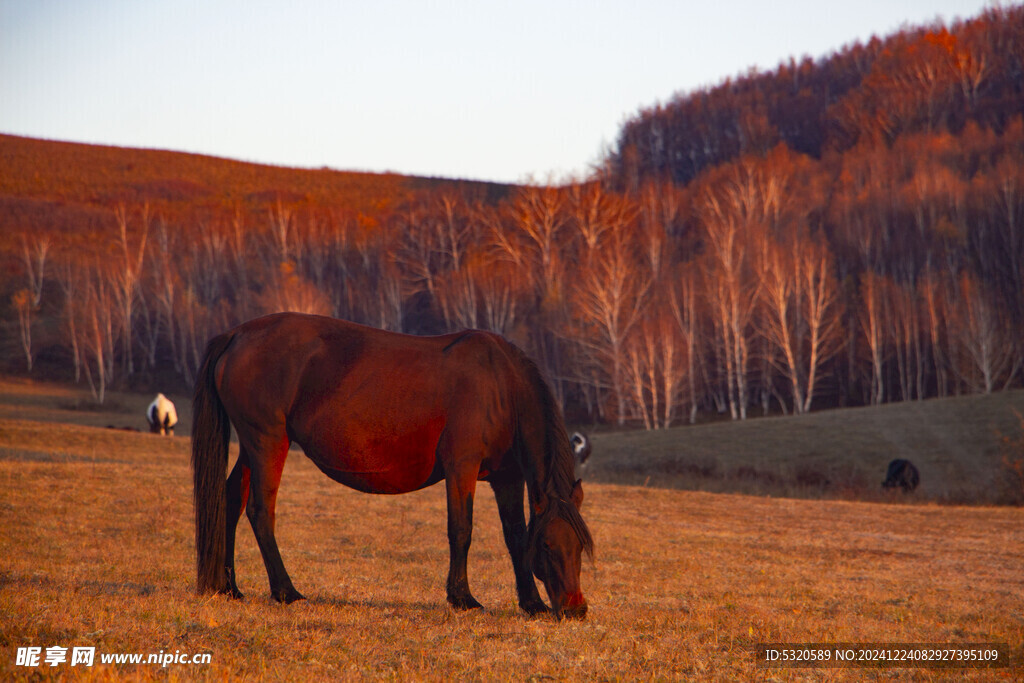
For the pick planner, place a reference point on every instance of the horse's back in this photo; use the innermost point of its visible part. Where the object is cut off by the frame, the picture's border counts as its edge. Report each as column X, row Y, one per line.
column 369, row 407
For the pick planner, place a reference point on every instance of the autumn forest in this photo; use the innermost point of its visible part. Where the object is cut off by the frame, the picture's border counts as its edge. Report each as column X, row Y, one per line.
column 847, row 230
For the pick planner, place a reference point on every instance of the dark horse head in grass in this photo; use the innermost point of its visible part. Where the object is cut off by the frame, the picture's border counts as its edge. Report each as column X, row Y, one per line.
column 902, row 474
column 387, row 413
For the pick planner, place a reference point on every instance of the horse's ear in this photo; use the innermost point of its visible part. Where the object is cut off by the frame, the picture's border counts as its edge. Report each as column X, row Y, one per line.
column 541, row 504
column 577, row 494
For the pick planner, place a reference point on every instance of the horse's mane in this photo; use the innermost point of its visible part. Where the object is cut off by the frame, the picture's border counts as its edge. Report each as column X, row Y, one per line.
column 561, row 462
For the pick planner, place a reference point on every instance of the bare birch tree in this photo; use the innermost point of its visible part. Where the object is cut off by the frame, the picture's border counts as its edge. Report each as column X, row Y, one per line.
column 657, row 365
column 26, row 301
column 609, row 298
column 21, row 301
column 822, row 312
column 100, row 329
column 989, row 353
column 684, row 302
column 873, row 316
column 34, row 251
column 731, row 294
column 126, row 279
column 69, row 278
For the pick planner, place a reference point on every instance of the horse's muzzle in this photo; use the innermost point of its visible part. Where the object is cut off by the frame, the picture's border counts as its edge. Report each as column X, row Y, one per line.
column 574, row 607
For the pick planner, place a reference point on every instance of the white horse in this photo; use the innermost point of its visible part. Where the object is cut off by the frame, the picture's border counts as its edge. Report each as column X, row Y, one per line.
column 161, row 416
column 581, row 449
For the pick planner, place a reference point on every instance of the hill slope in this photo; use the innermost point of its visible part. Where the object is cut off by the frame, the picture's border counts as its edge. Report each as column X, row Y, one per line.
column 957, row 443
column 63, row 185
column 925, row 79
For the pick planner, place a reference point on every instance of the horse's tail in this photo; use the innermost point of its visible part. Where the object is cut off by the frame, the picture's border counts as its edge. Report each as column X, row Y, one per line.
column 211, row 434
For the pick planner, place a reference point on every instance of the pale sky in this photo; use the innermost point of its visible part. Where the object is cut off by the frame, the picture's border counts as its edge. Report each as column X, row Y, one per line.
column 480, row 89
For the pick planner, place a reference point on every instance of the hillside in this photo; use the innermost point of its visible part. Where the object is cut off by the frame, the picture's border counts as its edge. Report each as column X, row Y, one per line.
column 64, row 186
column 920, row 80
column 958, row 444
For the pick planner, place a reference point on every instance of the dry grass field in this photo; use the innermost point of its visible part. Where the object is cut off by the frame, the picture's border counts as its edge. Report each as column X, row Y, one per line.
column 97, row 552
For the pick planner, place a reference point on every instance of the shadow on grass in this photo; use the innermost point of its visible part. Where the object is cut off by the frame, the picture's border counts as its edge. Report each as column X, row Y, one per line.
column 379, row 605
column 839, row 481
column 23, row 455
column 88, row 587
column 91, row 406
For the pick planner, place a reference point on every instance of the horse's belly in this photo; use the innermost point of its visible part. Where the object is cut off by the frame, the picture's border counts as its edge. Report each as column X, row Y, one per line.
column 397, row 462
column 391, row 480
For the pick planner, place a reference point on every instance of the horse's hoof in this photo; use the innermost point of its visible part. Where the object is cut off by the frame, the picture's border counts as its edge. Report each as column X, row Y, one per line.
column 231, row 588
column 288, row 596
column 534, row 609
column 233, row 593
column 578, row 613
column 464, row 602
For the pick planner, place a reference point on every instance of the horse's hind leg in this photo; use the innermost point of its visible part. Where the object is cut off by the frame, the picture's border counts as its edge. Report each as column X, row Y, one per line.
column 266, row 460
column 237, row 494
column 460, row 507
column 509, row 496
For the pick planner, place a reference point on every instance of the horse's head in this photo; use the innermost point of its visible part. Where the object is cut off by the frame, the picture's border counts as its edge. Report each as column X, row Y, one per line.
column 558, row 539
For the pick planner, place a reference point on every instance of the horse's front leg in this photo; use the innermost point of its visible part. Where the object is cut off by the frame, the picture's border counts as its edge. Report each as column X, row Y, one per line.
column 460, row 533
column 509, row 496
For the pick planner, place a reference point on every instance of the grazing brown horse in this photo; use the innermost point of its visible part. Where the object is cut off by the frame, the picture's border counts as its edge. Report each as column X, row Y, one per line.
column 386, row 413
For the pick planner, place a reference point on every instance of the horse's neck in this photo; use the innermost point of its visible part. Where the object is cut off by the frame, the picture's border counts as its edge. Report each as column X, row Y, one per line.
column 540, row 477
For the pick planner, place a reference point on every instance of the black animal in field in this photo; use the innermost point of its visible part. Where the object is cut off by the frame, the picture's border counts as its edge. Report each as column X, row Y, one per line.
column 901, row 473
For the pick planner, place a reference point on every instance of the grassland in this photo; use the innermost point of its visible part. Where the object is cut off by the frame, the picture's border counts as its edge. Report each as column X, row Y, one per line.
column 97, row 548
column 958, row 444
